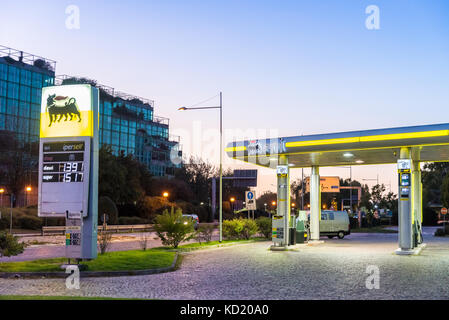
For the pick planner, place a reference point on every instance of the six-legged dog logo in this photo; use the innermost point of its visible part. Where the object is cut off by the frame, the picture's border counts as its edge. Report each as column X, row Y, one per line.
column 63, row 107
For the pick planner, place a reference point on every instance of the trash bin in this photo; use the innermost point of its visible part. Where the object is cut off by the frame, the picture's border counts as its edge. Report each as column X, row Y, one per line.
column 292, row 236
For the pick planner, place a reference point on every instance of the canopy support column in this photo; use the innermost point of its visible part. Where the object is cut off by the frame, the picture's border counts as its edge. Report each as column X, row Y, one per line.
column 416, row 203
column 404, row 206
column 315, row 204
column 283, row 197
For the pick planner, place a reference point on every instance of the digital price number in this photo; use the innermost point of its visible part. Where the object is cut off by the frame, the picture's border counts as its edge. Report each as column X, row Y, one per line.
column 63, row 166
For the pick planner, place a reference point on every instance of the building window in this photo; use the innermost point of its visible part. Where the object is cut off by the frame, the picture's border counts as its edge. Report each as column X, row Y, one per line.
column 12, row 107
column 3, row 88
column 25, row 93
column 37, row 80
column 36, row 95
column 13, row 74
column 25, row 77
column 13, row 91
column 3, row 71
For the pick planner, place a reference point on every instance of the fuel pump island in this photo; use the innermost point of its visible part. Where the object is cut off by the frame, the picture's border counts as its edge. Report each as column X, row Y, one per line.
column 68, row 164
column 405, row 146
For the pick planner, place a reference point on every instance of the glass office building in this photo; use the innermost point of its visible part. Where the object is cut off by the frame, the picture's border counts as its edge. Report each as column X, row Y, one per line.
column 129, row 126
column 127, row 123
column 22, row 76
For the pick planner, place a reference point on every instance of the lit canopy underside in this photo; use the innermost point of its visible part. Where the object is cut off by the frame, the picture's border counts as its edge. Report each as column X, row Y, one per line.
column 381, row 146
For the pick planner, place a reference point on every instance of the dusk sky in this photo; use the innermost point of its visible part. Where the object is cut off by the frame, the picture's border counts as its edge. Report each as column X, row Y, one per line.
column 285, row 67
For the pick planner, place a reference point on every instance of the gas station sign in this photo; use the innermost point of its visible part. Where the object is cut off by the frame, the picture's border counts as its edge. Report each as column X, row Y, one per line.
column 68, row 164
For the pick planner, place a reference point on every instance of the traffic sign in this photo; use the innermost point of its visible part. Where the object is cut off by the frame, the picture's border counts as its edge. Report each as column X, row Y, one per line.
column 443, row 211
column 250, row 200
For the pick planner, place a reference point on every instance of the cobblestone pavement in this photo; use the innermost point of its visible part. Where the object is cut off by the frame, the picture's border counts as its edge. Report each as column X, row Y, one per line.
column 335, row 269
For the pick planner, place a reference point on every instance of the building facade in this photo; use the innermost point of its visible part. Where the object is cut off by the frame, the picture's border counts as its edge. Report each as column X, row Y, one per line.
column 129, row 126
column 22, row 77
column 127, row 123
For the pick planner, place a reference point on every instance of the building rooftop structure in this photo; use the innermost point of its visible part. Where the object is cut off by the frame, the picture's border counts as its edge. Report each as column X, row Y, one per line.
column 13, row 56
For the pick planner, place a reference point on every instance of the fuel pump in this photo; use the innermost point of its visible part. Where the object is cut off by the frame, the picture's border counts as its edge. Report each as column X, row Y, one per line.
column 408, row 232
column 280, row 221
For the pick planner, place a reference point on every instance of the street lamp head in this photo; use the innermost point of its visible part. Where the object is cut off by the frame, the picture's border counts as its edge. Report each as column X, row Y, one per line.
column 28, row 189
column 2, row 190
column 165, row 194
column 182, row 108
column 232, row 199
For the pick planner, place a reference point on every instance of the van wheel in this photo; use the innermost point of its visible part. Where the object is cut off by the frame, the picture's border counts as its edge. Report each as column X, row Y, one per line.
column 330, row 237
column 341, row 235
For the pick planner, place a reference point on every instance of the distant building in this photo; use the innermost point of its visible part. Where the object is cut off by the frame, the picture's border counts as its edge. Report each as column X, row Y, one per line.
column 22, row 77
column 127, row 122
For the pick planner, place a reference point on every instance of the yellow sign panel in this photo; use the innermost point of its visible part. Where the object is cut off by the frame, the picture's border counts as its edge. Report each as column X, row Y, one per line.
column 66, row 111
column 328, row 184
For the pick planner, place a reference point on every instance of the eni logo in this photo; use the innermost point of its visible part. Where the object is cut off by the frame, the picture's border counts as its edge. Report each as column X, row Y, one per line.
column 63, row 107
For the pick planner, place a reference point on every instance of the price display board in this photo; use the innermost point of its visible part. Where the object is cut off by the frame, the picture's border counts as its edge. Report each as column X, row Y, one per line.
column 64, row 176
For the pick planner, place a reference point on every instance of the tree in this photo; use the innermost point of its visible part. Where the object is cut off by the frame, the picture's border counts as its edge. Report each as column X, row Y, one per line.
column 18, row 163
column 434, row 188
column 268, row 197
column 9, row 245
column 112, row 175
column 172, row 228
column 107, row 206
column 197, row 174
column 122, row 178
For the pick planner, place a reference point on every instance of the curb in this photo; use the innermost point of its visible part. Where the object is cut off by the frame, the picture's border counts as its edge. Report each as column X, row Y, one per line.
column 218, row 246
column 89, row 274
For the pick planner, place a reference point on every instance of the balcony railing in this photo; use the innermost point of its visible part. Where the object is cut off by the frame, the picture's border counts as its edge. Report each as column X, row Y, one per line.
column 28, row 58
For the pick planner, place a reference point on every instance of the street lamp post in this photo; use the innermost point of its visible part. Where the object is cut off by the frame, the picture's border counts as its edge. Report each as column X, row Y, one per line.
column 1, row 201
column 28, row 189
column 221, row 157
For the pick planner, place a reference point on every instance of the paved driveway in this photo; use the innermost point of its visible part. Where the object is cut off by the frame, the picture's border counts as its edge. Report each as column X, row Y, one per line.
column 333, row 270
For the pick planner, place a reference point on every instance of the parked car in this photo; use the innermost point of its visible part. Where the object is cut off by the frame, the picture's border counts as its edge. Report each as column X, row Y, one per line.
column 334, row 223
column 195, row 220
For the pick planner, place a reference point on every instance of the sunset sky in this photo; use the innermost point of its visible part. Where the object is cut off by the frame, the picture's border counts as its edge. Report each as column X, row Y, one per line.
column 285, row 67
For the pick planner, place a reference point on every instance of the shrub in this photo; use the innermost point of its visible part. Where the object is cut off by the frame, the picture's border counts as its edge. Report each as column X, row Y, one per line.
column 4, row 223
column 265, row 226
column 249, row 228
column 239, row 228
column 9, row 245
column 131, row 220
column 104, row 240
column 172, row 228
column 232, row 229
column 205, row 233
column 107, row 206
column 29, row 222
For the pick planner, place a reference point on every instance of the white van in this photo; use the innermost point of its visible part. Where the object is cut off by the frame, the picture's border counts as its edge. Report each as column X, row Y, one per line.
column 334, row 223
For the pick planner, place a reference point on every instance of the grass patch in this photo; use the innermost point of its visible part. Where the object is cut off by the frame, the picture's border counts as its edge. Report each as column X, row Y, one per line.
column 110, row 261
column 377, row 229
column 16, row 297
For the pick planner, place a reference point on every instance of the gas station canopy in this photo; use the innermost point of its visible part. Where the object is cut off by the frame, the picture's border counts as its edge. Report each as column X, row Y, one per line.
column 379, row 146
